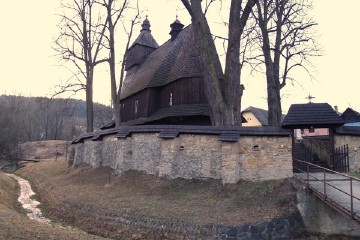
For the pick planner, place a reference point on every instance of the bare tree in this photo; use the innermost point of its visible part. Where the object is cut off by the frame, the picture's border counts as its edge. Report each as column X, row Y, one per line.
column 115, row 14
column 287, row 41
column 11, row 133
column 102, row 114
column 80, row 42
column 223, row 89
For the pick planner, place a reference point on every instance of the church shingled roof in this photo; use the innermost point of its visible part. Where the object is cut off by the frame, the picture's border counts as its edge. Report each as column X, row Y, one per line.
column 315, row 115
column 171, row 61
column 145, row 38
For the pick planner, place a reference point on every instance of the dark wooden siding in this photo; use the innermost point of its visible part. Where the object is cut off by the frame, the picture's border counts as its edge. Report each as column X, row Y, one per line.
column 127, row 106
column 154, row 99
column 184, row 91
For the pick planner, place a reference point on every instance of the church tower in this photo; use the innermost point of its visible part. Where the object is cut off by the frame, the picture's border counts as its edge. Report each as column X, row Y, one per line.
column 143, row 46
column 176, row 28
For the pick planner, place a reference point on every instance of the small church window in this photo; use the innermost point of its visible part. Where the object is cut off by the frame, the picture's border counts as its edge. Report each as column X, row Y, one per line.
column 136, row 106
column 123, row 105
column 171, row 99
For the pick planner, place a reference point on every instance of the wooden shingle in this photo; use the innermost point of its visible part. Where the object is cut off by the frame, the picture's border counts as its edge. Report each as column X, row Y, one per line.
column 317, row 115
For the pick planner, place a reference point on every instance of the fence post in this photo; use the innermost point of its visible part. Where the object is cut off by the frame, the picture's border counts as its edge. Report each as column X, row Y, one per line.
column 333, row 159
column 307, row 174
column 56, row 153
column 352, row 200
column 347, row 159
column 324, row 183
column 342, row 158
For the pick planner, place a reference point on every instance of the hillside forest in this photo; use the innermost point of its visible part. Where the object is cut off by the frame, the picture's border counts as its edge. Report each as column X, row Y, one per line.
column 25, row 119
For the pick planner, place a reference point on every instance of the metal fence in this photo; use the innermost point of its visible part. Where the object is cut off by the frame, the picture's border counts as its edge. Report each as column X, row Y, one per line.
column 339, row 190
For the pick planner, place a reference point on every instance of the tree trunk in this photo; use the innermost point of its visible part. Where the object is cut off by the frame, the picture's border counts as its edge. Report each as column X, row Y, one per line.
column 114, row 96
column 274, row 101
column 89, row 103
column 272, row 71
column 223, row 91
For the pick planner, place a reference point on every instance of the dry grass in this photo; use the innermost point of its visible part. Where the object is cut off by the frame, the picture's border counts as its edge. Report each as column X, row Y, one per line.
column 14, row 224
column 50, row 149
column 79, row 196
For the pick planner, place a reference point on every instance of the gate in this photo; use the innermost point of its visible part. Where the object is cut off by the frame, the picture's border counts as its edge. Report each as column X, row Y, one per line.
column 319, row 155
column 316, row 151
column 340, row 161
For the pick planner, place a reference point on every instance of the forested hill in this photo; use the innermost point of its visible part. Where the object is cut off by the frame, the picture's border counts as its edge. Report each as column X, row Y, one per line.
column 41, row 118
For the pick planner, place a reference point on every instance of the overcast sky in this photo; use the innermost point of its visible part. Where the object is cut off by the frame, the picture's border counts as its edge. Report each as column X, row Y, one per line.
column 27, row 65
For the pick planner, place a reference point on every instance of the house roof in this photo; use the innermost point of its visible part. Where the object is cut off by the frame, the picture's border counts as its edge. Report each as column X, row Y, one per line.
column 260, row 114
column 350, row 116
column 311, row 115
column 171, row 61
column 348, row 130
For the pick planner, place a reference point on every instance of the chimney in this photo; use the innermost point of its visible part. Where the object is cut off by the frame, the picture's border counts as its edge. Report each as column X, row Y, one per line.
column 176, row 28
column 336, row 109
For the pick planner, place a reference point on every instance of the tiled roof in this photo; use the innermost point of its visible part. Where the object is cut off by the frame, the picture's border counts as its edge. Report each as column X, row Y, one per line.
column 350, row 116
column 108, row 125
column 311, row 114
column 261, row 115
column 230, row 133
column 171, row 61
column 348, row 130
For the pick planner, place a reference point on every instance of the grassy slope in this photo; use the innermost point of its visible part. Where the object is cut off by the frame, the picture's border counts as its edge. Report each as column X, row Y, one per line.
column 15, row 225
column 80, row 196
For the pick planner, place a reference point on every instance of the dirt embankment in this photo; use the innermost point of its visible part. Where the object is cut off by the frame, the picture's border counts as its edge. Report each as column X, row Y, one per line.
column 14, row 224
column 104, row 204
column 96, row 200
column 51, row 149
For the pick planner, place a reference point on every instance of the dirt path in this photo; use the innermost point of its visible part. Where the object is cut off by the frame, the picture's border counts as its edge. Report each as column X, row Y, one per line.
column 27, row 202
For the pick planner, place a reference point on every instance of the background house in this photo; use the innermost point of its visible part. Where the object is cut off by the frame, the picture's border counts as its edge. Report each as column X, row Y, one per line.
column 351, row 117
column 255, row 117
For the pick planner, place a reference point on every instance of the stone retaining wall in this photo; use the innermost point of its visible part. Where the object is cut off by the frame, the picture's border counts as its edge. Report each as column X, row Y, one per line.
column 353, row 142
column 253, row 157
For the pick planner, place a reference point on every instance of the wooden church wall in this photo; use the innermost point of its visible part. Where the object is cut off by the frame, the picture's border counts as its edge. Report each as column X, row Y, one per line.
column 128, row 106
column 184, row 91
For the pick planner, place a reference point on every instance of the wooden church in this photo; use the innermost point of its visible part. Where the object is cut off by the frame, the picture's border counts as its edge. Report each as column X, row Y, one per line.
column 163, row 84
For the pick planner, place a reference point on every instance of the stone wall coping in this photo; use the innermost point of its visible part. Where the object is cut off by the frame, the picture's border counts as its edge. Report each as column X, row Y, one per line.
column 225, row 133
